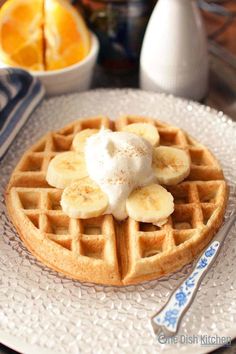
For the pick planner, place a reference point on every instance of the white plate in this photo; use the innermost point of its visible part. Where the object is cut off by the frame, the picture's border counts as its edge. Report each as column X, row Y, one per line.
column 45, row 311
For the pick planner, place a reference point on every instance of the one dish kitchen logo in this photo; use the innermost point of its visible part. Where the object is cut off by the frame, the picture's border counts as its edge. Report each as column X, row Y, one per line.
column 204, row 340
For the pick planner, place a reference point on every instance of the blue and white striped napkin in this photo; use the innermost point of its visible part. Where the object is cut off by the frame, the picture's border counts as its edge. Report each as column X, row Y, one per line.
column 20, row 93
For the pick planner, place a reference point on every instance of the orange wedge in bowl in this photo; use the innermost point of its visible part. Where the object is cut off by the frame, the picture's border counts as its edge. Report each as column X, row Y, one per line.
column 42, row 34
column 21, row 35
column 67, row 39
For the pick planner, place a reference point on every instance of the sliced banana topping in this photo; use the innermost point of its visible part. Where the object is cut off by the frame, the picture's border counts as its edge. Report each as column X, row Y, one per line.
column 145, row 130
column 81, row 137
column 84, row 199
column 170, row 165
column 66, row 168
column 152, row 203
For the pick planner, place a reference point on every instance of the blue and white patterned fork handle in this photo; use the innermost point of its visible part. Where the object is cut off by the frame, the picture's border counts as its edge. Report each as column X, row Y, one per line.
column 168, row 318
column 170, row 315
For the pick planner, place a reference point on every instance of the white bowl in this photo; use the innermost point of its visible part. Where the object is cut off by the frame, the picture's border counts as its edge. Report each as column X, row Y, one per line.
column 73, row 78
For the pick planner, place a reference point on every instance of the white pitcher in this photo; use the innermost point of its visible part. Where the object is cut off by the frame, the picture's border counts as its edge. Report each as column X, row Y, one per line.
column 174, row 56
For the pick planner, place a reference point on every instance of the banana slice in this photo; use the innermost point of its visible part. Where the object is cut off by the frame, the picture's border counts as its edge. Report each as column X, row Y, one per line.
column 81, row 137
column 150, row 204
column 66, row 168
column 145, row 130
column 170, row 165
column 84, row 199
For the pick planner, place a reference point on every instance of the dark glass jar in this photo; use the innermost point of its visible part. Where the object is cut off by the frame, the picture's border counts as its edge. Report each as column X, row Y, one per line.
column 120, row 26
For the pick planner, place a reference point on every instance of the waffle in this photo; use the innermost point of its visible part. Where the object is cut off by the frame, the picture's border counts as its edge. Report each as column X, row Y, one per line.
column 103, row 250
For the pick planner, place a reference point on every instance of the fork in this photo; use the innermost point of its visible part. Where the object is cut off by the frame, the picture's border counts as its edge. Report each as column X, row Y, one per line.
column 167, row 319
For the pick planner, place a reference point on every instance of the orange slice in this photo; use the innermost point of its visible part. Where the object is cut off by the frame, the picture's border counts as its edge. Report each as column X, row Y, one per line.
column 42, row 34
column 21, row 33
column 67, row 39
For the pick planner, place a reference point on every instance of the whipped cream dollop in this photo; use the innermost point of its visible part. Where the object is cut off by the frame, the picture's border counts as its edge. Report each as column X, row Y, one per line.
column 118, row 162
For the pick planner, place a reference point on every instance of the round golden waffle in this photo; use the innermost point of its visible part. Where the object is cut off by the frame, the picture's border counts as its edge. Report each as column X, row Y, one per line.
column 103, row 250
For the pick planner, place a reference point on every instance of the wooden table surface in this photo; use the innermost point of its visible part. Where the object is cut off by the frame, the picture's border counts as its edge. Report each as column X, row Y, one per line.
column 213, row 22
column 222, row 93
